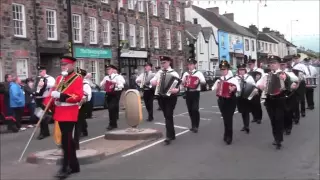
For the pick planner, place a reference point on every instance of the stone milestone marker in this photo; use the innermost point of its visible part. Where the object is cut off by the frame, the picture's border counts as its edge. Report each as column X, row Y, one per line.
column 134, row 117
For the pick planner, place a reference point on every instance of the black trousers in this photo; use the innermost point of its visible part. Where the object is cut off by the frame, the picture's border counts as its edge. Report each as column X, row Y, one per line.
column 244, row 107
column 227, row 107
column 113, row 107
column 256, row 109
column 148, row 97
column 168, row 104
column 90, row 108
column 290, row 104
column 44, row 125
column 70, row 159
column 301, row 93
column 309, row 97
column 276, row 110
column 192, row 101
column 81, row 125
column 18, row 112
column 159, row 102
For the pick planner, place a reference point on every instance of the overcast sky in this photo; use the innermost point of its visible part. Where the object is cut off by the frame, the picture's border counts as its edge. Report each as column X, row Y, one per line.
column 277, row 15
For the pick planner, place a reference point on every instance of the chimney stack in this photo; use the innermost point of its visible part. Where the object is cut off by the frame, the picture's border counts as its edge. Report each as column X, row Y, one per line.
column 253, row 29
column 214, row 10
column 281, row 35
column 230, row 16
column 266, row 30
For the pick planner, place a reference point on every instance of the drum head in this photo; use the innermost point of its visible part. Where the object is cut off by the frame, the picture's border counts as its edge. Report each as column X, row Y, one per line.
column 133, row 107
column 56, row 133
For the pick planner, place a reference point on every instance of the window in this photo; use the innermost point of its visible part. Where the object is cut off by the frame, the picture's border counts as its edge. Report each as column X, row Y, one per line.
column 179, row 40
column 93, row 30
column 142, row 37
column 270, row 47
column 132, row 32
column 247, row 44
column 178, row 14
column 19, row 20
column 155, row 8
column 274, row 47
column 252, row 45
column 122, row 31
column 141, row 6
column 265, row 46
column 22, row 68
column 156, row 37
column 105, row 1
column 130, row 4
column 168, row 38
column 167, row 11
column 106, row 32
column 80, row 63
column 76, row 25
column 261, row 45
column 93, row 68
column 51, row 20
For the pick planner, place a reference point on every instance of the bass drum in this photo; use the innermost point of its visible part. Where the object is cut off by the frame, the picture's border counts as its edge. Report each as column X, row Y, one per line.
column 57, row 133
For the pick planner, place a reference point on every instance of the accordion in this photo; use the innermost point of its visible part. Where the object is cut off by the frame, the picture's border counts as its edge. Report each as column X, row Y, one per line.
column 223, row 89
column 109, row 86
column 256, row 75
column 165, row 83
column 274, row 85
column 192, row 82
column 311, row 82
column 247, row 90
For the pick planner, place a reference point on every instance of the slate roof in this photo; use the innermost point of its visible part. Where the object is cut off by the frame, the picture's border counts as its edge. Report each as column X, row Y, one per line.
column 264, row 37
column 241, row 30
column 207, row 31
column 193, row 29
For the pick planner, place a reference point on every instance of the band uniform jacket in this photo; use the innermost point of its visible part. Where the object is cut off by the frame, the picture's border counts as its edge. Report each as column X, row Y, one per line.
column 232, row 80
column 158, row 74
column 247, row 78
column 311, row 71
column 117, row 79
column 197, row 74
column 50, row 83
column 66, row 108
column 263, row 81
column 140, row 78
column 87, row 90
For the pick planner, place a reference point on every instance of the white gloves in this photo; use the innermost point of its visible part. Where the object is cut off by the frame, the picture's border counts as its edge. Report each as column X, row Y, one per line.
column 55, row 94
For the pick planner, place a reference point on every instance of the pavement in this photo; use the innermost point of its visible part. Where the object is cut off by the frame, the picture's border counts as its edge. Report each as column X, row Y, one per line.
column 190, row 156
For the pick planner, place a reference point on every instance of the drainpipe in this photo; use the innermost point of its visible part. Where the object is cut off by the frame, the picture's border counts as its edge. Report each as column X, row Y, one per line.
column 70, row 38
column 118, row 27
column 209, row 55
column 35, row 24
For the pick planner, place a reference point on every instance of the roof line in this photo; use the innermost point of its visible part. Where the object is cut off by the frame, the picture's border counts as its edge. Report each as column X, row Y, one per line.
column 190, row 34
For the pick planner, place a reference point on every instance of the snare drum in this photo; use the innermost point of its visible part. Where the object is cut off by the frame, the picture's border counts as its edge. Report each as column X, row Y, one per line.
column 311, row 82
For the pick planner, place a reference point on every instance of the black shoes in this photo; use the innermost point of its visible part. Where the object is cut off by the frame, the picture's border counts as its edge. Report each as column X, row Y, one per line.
column 149, row 119
column 194, row 130
column 42, row 136
column 227, row 140
column 167, row 141
column 246, row 129
column 258, row 121
column 310, row 107
column 287, row 132
column 61, row 174
column 109, row 128
column 303, row 114
column 277, row 144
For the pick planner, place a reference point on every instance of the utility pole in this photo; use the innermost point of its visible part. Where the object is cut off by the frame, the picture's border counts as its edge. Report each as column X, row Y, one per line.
column 119, row 41
column 70, row 38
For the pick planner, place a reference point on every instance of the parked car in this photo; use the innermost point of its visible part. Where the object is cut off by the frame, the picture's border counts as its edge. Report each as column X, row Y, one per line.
column 210, row 78
column 99, row 97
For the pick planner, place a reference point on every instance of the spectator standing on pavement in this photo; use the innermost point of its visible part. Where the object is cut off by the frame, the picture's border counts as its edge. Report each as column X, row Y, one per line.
column 17, row 100
column 30, row 100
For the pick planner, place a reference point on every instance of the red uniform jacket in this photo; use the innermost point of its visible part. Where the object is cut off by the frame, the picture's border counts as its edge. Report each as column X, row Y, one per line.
column 66, row 108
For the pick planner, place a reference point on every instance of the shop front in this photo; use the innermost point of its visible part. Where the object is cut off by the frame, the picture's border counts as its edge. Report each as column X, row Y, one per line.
column 131, row 62
column 93, row 60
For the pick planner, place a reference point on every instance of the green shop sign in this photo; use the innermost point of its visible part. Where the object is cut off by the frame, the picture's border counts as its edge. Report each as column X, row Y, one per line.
column 81, row 52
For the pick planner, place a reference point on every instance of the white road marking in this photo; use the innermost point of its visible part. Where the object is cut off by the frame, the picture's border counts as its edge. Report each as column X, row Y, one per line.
column 180, row 127
column 205, row 119
column 214, row 112
column 180, row 114
column 215, row 106
column 233, row 114
column 151, row 145
column 87, row 140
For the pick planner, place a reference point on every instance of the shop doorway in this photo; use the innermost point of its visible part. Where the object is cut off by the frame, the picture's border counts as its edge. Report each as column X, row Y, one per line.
column 130, row 68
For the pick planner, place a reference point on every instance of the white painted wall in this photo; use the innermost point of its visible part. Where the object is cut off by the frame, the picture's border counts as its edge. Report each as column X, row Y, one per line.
column 273, row 51
column 202, row 53
column 292, row 50
column 213, row 51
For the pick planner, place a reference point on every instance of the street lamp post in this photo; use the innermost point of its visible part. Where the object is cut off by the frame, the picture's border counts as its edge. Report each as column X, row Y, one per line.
column 291, row 27
column 70, row 38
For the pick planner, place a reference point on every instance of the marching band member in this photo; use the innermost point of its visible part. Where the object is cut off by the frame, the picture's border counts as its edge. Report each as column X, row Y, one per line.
column 244, row 104
column 192, row 81
column 167, row 103
column 43, row 85
column 146, row 87
column 226, row 88
column 310, row 73
column 275, row 103
column 82, row 125
column 157, row 70
column 113, row 84
column 300, row 69
column 66, row 111
column 291, row 99
column 256, row 104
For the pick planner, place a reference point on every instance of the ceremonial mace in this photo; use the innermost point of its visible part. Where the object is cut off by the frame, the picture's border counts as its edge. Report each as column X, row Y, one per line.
column 64, row 74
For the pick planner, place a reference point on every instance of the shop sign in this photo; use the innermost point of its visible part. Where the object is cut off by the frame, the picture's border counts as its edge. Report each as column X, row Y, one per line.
column 99, row 53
